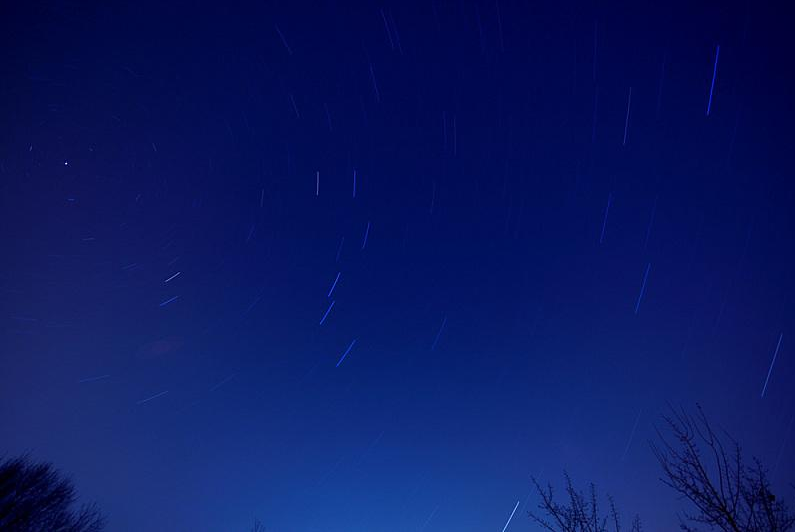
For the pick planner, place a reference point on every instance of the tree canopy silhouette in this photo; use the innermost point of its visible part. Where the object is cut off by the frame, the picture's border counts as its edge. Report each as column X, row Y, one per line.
column 708, row 470
column 35, row 497
column 579, row 512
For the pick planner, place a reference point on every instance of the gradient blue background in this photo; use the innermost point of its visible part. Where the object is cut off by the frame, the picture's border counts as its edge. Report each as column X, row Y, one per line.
column 143, row 139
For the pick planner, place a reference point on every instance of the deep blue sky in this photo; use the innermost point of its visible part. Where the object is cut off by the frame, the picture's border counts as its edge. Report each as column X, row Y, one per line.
column 532, row 293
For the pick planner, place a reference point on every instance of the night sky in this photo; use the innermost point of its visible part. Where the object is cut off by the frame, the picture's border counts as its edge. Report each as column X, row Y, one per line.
column 370, row 267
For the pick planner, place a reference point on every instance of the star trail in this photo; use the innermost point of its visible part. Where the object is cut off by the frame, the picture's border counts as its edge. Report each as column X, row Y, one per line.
column 342, row 266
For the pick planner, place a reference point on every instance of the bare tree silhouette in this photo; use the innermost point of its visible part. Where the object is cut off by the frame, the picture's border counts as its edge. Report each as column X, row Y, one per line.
column 35, row 497
column 579, row 513
column 728, row 494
